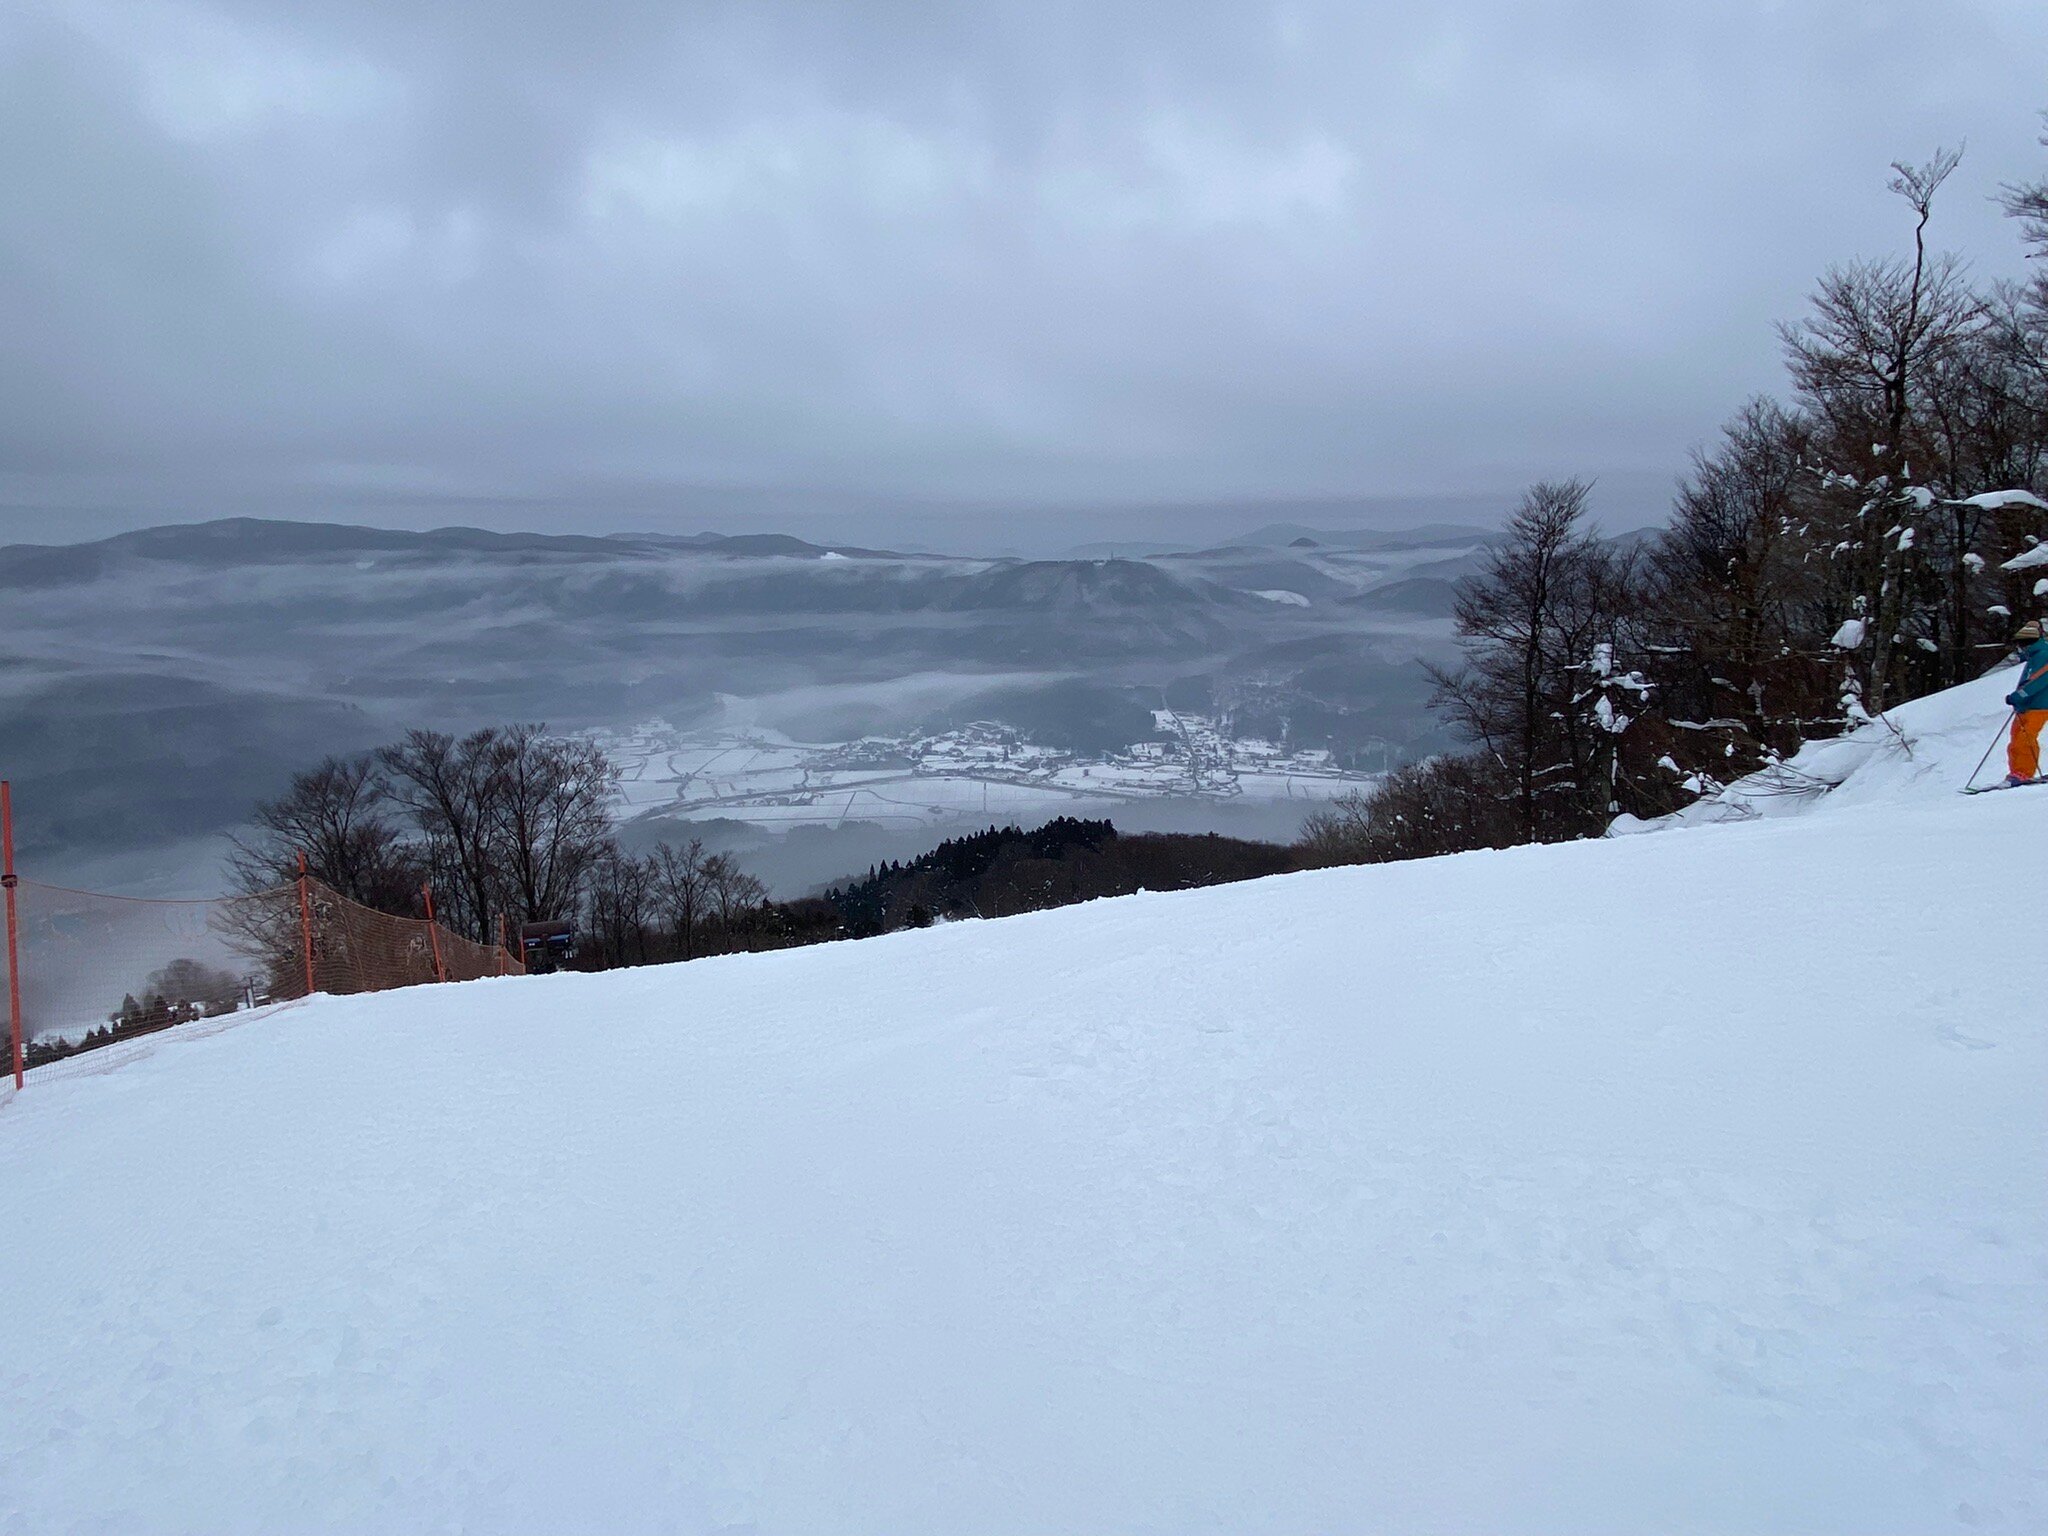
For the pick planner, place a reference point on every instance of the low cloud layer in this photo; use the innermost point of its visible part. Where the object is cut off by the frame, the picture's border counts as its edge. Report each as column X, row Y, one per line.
column 336, row 251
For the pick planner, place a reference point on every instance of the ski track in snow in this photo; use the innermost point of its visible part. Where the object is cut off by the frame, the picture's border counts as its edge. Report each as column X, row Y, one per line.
column 1686, row 1182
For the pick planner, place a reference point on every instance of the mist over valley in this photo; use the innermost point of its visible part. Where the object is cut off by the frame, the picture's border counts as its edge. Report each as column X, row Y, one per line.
column 159, row 682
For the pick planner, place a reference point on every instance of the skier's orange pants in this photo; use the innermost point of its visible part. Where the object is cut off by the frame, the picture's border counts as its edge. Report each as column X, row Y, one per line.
column 2023, row 752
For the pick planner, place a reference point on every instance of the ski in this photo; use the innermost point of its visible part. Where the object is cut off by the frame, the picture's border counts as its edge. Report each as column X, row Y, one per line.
column 1985, row 789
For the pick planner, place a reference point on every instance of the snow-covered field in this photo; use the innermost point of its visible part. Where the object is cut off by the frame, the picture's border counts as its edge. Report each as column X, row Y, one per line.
column 960, row 776
column 1683, row 1182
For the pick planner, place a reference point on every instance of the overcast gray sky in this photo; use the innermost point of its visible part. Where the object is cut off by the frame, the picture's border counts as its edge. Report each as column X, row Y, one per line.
column 511, row 262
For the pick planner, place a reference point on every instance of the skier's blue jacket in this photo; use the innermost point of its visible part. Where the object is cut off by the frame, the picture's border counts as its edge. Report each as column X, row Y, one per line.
column 2032, row 692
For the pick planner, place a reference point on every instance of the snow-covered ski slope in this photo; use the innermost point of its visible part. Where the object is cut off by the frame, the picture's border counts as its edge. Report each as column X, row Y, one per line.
column 1692, row 1182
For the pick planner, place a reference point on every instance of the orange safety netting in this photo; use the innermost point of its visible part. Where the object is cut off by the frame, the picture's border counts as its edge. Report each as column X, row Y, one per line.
column 358, row 950
column 95, row 968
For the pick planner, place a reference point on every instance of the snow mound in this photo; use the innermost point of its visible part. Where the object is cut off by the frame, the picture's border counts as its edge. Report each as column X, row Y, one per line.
column 1926, row 748
column 1687, row 1183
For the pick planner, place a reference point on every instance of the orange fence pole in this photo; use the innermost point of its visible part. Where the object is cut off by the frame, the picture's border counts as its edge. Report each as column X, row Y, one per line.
column 306, row 922
column 13, row 928
column 504, row 945
column 433, row 932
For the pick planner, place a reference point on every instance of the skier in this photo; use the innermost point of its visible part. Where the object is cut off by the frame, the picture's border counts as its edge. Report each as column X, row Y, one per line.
column 2029, row 704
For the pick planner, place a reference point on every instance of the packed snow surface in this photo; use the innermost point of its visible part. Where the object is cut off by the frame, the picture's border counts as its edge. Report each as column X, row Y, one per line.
column 1688, row 1182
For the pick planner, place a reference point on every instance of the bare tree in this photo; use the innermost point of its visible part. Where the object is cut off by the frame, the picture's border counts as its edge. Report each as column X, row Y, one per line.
column 1528, row 622
column 451, row 789
column 1449, row 804
column 1986, row 415
column 196, row 986
column 550, row 817
column 732, row 895
column 680, row 889
column 338, row 815
column 1733, row 599
column 621, row 905
column 2028, row 203
column 1863, row 363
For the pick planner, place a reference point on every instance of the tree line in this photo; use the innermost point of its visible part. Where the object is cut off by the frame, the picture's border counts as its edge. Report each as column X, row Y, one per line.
column 507, row 825
column 681, row 903
column 1005, row 870
column 177, row 992
column 512, row 825
column 1829, row 555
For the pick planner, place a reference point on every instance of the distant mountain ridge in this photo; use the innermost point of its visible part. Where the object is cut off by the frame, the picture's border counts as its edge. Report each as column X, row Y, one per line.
column 161, row 680
column 273, row 539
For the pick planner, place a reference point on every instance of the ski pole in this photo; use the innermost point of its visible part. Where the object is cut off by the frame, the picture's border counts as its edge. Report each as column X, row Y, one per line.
column 1990, row 749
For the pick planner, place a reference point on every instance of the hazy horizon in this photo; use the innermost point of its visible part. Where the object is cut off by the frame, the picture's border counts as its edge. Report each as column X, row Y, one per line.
column 1031, row 530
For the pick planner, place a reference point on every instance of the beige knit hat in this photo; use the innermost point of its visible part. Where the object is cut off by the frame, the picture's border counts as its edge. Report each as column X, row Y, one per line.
column 2031, row 630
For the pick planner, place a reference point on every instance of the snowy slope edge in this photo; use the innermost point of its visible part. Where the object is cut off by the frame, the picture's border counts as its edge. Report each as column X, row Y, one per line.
column 1921, row 749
